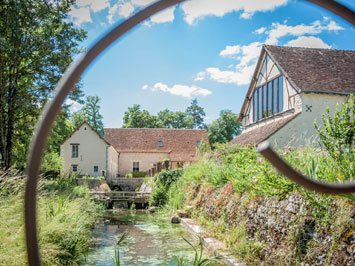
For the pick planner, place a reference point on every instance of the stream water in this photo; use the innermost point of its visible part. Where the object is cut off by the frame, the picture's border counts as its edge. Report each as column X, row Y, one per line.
column 152, row 240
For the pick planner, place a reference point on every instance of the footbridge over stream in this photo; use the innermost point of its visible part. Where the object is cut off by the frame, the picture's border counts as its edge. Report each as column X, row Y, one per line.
column 120, row 192
column 122, row 199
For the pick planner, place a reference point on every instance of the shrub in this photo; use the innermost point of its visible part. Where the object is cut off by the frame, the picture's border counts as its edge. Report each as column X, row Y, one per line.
column 52, row 164
column 136, row 174
column 65, row 220
column 161, row 185
column 338, row 137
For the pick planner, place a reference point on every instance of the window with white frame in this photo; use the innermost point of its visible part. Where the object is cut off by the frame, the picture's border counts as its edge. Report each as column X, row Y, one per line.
column 135, row 166
column 96, row 169
column 160, row 143
column 268, row 99
column 75, row 150
column 74, row 168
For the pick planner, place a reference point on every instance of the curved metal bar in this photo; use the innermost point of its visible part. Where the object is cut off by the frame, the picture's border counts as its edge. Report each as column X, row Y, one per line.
column 311, row 184
column 338, row 9
column 53, row 107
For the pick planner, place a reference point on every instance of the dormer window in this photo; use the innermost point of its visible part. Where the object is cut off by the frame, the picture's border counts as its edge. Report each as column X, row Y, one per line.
column 268, row 99
column 160, row 143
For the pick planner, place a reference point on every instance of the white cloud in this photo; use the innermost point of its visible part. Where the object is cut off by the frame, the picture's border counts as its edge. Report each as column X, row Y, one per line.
column 309, row 42
column 260, row 30
column 124, row 9
column 199, row 8
column 145, row 87
column 280, row 30
column 142, row 2
column 74, row 106
column 94, row 5
column 241, row 76
column 230, row 50
column 200, row 76
column 166, row 15
column 80, row 15
column 181, row 90
column 246, row 55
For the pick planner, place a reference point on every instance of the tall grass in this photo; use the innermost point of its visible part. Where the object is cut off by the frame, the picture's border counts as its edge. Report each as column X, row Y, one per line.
column 65, row 218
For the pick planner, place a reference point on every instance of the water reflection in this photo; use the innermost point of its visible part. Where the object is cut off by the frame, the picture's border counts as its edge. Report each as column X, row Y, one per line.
column 152, row 240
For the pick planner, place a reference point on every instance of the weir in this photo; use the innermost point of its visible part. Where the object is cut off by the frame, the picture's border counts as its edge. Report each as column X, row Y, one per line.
column 125, row 196
column 122, row 199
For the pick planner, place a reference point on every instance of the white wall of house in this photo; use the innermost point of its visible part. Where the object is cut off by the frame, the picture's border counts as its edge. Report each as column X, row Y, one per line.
column 300, row 131
column 92, row 151
column 146, row 160
column 112, row 167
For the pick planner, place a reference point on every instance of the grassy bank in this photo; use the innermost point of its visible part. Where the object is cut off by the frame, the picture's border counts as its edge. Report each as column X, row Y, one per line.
column 263, row 217
column 65, row 219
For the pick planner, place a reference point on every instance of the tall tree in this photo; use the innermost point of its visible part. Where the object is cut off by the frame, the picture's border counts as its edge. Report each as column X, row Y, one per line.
column 178, row 119
column 197, row 113
column 90, row 113
column 224, row 128
column 37, row 44
column 137, row 118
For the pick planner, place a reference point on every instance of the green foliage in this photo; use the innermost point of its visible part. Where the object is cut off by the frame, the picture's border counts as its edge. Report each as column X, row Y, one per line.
column 225, row 128
column 116, row 258
column 249, row 172
column 197, row 113
column 137, row 174
column 129, row 175
column 169, row 119
column 65, row 219
column 90, row 113
column 161, row 184
column 198, row 259
column 51, row 164
column 37, row 44
column 137, row 118
column 337, row 135
column 93, row 177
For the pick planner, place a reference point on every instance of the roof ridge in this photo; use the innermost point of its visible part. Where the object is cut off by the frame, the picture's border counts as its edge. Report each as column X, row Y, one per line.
column 156, row 128
column 307, row 48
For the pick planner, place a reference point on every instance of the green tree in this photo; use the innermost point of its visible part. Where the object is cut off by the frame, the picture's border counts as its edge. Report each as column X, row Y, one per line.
column 37, row 44
column 224, row 128
column 197, row 113
column 178, row 119
column 137, row 118
column 90, row 113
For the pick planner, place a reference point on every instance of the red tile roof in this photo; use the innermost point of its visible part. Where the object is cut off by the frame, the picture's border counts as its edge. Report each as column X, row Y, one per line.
column 317, row 70
column 180, row 143
column 259, row 134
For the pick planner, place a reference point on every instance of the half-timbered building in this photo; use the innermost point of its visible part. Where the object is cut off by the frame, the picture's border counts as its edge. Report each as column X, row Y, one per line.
column 290, row 89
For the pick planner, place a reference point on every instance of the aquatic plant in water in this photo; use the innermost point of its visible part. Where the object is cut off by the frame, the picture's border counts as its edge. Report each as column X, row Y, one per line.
column 198, row 260
column 116, row 258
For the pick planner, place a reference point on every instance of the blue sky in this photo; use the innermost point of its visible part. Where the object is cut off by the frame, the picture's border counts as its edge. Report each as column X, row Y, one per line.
column 201, row 48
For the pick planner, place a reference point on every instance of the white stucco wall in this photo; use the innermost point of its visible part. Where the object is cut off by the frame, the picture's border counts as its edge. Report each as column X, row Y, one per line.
column 300, row 131
column 112, row 163
column 92, row 152
column 146, row 160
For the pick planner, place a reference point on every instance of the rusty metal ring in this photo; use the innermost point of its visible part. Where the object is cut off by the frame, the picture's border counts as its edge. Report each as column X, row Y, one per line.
column 66, row 84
